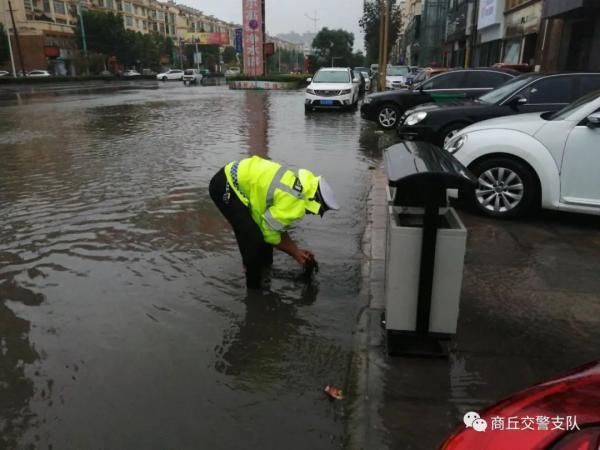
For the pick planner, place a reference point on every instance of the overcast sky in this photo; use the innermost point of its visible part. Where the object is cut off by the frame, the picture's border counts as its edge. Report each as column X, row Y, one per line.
column 284, row 16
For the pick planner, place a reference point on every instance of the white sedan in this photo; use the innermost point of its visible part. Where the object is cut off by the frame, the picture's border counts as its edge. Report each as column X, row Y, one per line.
column 173, row 74
column 525, row 161
column 38, row 74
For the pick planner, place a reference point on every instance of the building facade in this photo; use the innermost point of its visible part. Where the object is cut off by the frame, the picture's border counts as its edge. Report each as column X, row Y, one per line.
column 522, row 20
column 570, row 35
column 46, row 28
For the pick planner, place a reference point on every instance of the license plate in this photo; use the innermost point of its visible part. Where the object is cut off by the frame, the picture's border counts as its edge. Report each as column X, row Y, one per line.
column 327, row 102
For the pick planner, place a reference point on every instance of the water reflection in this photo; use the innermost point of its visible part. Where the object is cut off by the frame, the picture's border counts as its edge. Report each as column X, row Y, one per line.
column 256, row 349
column 17, row 353
column 106, row 213
column 257, row 122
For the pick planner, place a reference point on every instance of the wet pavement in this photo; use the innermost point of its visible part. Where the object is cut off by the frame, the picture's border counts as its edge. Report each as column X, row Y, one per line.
column 124, row 321
column 530, row 310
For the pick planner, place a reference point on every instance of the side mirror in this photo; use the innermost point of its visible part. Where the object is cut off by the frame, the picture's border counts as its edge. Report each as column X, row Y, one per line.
column 356, row 80
column 309, row 80
column 593, row 120
column 517, row 101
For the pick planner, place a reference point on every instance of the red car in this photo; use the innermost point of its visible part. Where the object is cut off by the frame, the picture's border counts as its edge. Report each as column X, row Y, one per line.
column 561, row 414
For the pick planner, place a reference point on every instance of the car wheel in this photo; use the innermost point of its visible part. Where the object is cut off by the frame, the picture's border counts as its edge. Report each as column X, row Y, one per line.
column 506, row 188
column 164, row 78
column 387, row 116
column 307, row 109
column 449, row 132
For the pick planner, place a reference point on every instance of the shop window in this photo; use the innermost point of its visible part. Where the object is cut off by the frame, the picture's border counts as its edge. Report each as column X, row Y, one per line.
column 512, row 51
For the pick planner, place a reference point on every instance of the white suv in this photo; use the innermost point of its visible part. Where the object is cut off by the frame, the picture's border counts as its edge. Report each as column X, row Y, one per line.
column 191, row 76
column 332, row 87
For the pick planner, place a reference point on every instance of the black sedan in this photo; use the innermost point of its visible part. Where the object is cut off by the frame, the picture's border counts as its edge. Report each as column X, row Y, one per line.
column 527, row 93
column 386, row 108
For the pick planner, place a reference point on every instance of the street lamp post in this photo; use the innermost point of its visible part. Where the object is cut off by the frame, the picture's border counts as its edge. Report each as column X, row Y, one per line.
column 10, row 50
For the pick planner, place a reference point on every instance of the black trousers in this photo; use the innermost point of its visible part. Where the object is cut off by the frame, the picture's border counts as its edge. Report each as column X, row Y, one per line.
column 256, row 253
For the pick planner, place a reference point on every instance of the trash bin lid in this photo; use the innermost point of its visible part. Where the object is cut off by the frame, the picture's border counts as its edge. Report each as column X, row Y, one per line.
column 412, row 165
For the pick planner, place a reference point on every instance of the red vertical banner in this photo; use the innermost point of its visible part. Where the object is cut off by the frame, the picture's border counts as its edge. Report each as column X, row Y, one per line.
column 253, row 37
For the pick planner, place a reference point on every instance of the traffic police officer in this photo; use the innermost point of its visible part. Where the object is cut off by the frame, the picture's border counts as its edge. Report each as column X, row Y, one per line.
column 261, row 200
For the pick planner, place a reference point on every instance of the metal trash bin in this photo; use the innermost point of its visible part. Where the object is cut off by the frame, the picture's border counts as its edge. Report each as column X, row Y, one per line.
column 426, row 243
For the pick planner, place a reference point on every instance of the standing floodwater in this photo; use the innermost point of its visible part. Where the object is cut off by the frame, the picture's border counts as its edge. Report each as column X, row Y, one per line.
column 124, row 321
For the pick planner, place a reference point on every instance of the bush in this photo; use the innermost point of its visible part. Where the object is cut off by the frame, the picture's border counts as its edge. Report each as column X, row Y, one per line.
column 43, row 80
column 277, row 78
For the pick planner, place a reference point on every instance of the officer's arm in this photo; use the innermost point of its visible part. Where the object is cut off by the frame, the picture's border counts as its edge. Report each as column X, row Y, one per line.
column 288, row 246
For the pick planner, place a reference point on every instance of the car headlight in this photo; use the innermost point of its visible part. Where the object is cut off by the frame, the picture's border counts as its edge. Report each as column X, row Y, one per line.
column 456, row 143
column 367, row 100
column 415, row 118
column 310, row 91
column 345, row 91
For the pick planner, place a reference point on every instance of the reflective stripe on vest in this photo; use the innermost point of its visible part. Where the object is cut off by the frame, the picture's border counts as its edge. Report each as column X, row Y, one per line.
column 273, row 222
column 277, row 184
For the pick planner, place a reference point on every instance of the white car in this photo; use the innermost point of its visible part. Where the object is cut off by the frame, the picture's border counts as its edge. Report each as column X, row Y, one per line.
column 173, row 74
column 539, row 159
column 395, row 77
column 367, row 78
column 131, row 74
column 38, row 73
column 332, row 87
column 192, row 76
column 232, row 72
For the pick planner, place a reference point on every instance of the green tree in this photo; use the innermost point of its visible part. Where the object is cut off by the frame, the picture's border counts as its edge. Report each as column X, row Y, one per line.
column 359, row 59
column 4, row 54
column 104, row 32
column 370, row 24
column 229, row 55
column 333, row 45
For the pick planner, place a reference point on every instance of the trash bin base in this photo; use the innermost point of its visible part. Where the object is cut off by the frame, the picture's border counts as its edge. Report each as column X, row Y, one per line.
column 412, row 344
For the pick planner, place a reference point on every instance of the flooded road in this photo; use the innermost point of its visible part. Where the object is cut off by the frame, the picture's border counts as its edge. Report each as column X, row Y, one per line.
column 124, row 320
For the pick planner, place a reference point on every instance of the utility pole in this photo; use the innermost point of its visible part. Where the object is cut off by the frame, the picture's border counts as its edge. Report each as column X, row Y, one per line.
column 313, row 19
column 12, row 18
column 10, row 50
column 381, row 81
column 83, row 39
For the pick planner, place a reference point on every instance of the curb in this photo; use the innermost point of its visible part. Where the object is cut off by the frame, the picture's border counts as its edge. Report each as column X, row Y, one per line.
column 366, row 432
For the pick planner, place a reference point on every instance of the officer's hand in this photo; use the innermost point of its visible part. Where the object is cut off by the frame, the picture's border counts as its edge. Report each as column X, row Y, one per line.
column 303, row 256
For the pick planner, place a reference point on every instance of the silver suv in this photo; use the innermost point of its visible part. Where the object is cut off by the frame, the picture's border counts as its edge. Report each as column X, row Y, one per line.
column 191, row 76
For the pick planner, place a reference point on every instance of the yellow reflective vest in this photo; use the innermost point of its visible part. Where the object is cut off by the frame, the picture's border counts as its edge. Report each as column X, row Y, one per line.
column 273, row 194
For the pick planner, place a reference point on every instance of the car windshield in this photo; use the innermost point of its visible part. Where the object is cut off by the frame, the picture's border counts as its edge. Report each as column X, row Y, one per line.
column 332, row 76
column 397, row 71
column 567, row 110
column 507, row 89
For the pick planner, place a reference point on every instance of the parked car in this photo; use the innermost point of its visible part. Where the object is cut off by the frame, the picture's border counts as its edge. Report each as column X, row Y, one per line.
column 424, row 75
column 173, row 74
column 333, row 87
column 364, row 71
column 559, row 414
column 232, row 72
column 4, row 73
column 362, row 83
column 386, row 108
column 374, row 70
column 38, row 73
column 192, row 76
column 527, row 93
column 131, row 74
column 530, row 160
column 395, row 77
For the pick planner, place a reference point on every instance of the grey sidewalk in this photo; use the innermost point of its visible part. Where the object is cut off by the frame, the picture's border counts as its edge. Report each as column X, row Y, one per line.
column 530, row 309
